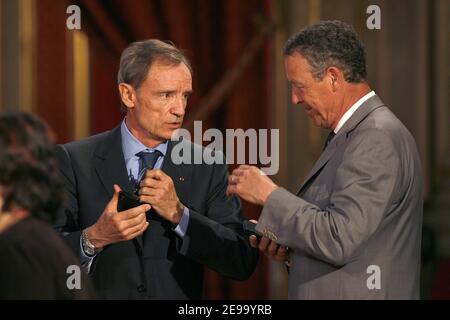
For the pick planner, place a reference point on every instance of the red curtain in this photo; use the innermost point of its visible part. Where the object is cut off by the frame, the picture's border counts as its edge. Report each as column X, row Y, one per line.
column 53, row 96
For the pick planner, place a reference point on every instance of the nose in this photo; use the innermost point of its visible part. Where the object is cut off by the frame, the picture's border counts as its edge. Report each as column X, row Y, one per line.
column 179, row 107
column 296, row 98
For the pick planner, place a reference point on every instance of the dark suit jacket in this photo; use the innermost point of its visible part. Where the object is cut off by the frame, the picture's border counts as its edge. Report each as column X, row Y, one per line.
column 159, row 264
column 34, row 264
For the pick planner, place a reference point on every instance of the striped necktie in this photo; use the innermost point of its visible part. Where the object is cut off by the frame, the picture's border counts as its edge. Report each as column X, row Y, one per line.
column 147, row 161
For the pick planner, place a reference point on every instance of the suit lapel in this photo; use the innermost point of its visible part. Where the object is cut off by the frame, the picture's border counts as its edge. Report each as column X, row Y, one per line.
column 180, row 174
column 360, row 114
column 323, row 159
column 110, row 164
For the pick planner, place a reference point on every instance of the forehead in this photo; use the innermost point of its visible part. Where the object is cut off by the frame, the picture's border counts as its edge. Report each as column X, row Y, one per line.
column 167, row 74
column 297, row 66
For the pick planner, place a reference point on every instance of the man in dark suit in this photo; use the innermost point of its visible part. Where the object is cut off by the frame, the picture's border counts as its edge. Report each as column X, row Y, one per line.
column 354, row 227
column 192, row 222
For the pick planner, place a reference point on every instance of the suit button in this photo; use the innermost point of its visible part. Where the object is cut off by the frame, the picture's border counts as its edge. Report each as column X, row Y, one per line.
column 141, row 288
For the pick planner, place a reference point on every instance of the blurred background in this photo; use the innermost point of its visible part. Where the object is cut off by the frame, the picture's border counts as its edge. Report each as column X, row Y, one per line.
column 68, row 77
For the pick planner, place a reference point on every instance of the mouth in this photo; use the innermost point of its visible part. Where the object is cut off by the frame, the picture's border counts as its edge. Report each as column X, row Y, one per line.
column 309, row 111
column 307, row 108
column 175, row 125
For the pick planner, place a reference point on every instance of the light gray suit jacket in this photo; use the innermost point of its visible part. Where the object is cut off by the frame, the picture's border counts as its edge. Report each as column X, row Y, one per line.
column 358, row 212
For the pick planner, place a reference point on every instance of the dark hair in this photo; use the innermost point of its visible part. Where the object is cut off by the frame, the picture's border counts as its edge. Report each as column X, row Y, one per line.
column 29, row 176
column 330, row 43
column 137, row 58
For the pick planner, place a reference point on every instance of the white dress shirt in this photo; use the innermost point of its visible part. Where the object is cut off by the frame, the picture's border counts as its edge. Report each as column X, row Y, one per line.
column 352, row 110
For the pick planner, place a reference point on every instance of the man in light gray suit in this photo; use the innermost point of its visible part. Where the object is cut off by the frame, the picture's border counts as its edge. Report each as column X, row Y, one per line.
column 353, row 230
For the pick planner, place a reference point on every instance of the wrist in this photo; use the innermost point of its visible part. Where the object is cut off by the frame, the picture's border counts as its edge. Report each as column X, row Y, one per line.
column 267, row 194
column 178, row 213
column 93, row 237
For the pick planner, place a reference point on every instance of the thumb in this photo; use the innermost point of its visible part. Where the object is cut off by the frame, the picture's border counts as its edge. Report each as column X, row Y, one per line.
column 112, row 205
column 253, row 241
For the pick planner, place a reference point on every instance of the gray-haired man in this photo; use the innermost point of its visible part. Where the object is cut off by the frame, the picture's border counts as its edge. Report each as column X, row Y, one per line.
column 194, row 222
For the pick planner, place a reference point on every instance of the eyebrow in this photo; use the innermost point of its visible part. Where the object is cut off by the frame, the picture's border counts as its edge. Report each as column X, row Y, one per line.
column 165, row 91
column 189, row 92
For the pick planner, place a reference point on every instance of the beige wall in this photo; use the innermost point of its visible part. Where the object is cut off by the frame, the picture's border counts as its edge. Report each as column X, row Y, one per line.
column 17, row 65
column 10, row 59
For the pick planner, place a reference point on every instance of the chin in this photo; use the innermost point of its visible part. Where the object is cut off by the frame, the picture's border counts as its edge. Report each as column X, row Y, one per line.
column 317, row 122
column 168, row 134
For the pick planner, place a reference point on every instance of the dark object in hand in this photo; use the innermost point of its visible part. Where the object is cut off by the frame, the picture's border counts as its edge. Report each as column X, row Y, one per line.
column 249, row 229
column 128, row 200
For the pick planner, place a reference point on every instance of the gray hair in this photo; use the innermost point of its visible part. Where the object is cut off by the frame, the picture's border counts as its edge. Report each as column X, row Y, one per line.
column 137, row 58
column 330, row 43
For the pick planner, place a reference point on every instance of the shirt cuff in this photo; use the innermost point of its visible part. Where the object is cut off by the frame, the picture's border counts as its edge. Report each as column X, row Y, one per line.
column 85, row 260
column 182, row 226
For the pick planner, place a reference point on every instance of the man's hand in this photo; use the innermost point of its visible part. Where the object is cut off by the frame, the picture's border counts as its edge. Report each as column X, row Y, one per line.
column 270, row 248
column 251, row 184
column 157, row 189
column 113, row 226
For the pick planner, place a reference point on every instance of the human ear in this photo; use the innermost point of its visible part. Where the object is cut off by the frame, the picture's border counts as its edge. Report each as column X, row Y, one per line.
column 127, row 95
column 335, row 76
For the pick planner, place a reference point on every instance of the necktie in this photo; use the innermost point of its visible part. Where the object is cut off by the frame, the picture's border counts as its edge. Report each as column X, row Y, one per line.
column 329, row 138
column 147, row 161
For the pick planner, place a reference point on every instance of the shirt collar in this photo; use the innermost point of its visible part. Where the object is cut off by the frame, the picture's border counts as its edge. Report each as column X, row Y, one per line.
column 131, row 145
column 352, row 110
